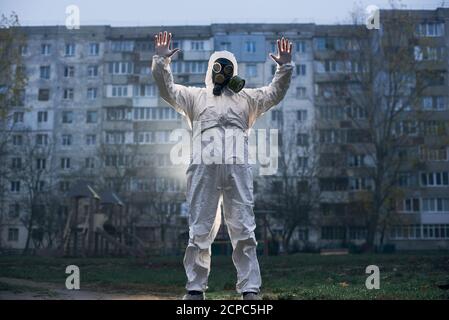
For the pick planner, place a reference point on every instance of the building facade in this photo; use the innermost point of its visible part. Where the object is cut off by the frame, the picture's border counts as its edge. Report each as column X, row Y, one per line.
column 91, row 110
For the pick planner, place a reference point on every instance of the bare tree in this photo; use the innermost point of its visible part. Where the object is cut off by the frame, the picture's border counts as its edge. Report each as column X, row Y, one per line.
column 31, row 166
column 292, row 194
column 381, row 83
column 12, row 82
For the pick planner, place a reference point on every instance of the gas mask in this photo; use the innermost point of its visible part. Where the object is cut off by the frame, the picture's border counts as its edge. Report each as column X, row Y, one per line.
column 222, row 76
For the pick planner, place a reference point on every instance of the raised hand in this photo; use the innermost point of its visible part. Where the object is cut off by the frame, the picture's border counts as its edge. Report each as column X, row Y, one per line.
column 284, row 52
column 162, row 45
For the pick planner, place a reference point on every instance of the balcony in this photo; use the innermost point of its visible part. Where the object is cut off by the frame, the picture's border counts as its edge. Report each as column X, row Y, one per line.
column 196, row 55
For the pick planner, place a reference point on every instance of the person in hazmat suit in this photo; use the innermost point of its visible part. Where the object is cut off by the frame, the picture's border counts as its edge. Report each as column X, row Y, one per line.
column 215, row 176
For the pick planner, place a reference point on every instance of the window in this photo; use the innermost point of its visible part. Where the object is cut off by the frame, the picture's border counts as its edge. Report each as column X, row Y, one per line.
column 42, row 139
column 302, row 139
column 433, row 154
column 17, row 140
column 45, row 49
column 154, row 113
column 303, row 234
column 362, row 183
column 432, row 29
column 303, row 162
column 92, row 117
column 16, row 163
column 226, row 46
column 355, row 113
column 66, row 139
column 176, row 67
column 276, row 115
column 333, row 136
column 13, row 234
column 91, row 139
column 144, row 137
column 92, row 71
column 250, row 47
column 69, row 49
column 434, row 103
column 420, row 231
column 18, row 98
column 42, row 116
column 434, row 179
column 301, row 70
column 116, row 114
column 15, row 186
column 436, row 78
column 320, row 44
column 94, row 49
column 144, row 90
column 196, row 67
column 122, row 46
column 176, row 44
column 120, row 67
column 89, row 163
column 67, row 117
column 251, row 70
column 115, row 137
column 40, row 185
column 301, row 93
column 409, row 205
column 68, row 94
column 65, row 163
column 119, row 91
column 69, row 71
column 429, row 53
column 45, row 72
column 197, row 45
column 301, row 115
column 18, row 117
column 301, row 46
column 358, row 136
column 14, row 210
column 433, row 128
column 333, row 233
column 331, row 66
column 405, row 127
column 41, row 163
column 43, row 95
column 23, row 50
column 92, row 93
column 356, row 160
column 357, row 233
column 116, row 160
column 145, row 69
column 435, row 205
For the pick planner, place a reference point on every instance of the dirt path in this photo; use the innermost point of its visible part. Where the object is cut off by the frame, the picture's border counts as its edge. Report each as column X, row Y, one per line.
column 20, row 289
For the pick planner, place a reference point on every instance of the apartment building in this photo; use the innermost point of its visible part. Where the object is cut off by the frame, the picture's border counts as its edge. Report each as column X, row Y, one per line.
column 92, row 103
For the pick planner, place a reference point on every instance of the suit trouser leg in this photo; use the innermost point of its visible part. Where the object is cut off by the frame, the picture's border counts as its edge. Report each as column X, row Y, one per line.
column 203, row 197
column 238, row 205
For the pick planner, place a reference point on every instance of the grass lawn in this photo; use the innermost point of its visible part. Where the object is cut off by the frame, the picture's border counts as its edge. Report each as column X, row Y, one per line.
column 300, row 276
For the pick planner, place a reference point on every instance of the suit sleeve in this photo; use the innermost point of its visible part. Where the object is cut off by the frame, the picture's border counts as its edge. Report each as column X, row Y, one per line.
column 180, row 97
column 260, row 100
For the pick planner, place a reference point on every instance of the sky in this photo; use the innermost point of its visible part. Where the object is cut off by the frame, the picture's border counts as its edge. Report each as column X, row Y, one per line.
column 196, row 12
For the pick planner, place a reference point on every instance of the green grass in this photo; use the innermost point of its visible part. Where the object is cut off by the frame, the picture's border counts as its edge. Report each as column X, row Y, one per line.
column 301, row 276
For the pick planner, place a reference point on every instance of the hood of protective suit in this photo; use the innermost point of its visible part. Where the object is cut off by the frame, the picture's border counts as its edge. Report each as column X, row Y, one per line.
column 217, row 55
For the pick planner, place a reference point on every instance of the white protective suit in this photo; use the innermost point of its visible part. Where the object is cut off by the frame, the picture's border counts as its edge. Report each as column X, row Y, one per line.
column 208, row 184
